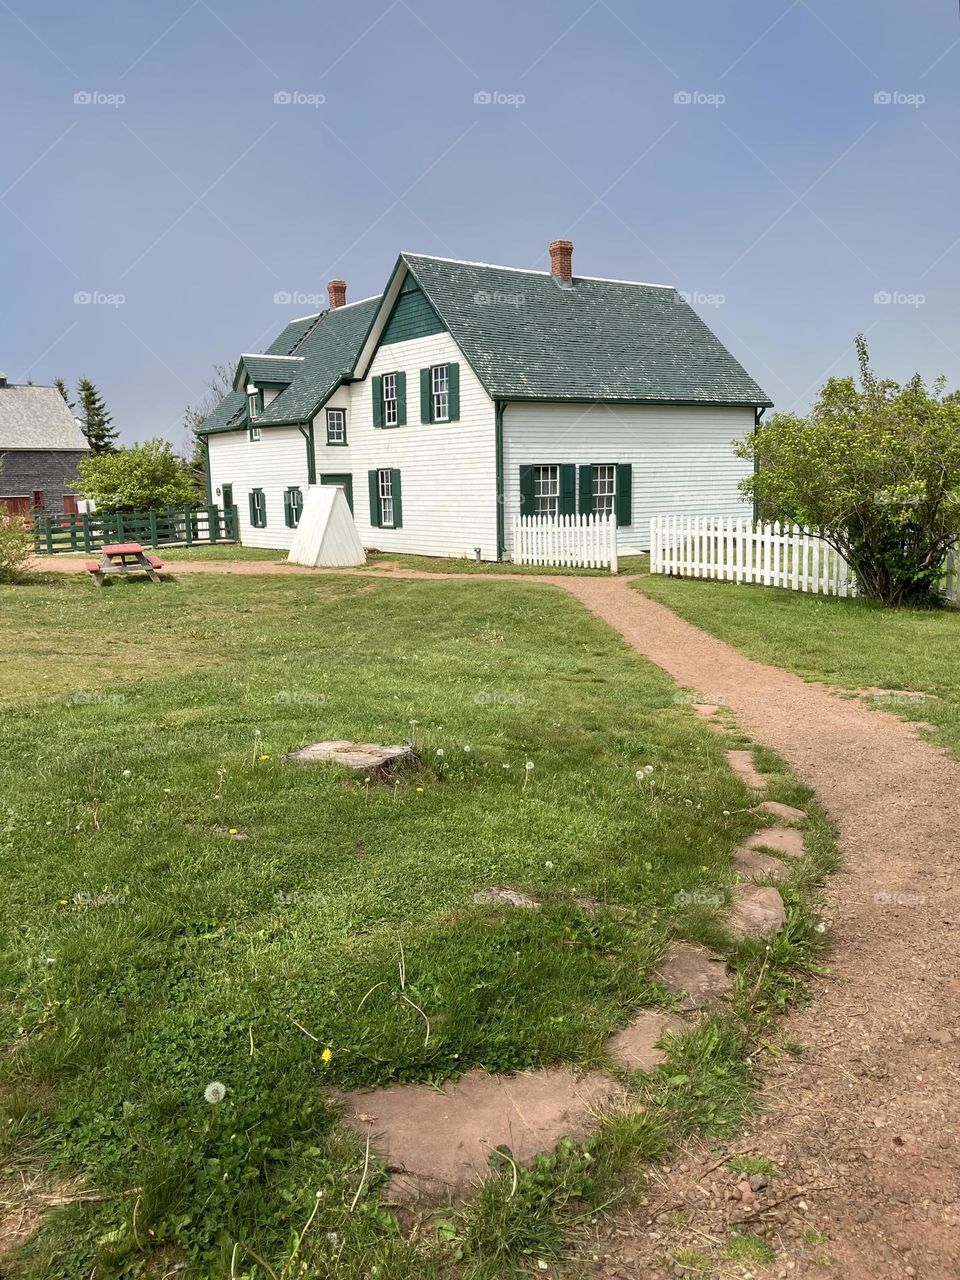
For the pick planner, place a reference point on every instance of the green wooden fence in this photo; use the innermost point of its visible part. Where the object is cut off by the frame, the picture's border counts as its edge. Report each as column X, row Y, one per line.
column 169, row 526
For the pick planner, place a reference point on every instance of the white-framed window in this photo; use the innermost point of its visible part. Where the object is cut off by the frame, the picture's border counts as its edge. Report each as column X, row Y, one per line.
column 254, row 434
column 336, row 426
column 254, row 402
column 258, row 509
column 604, row 488
column 440, row 391
column 546, row 490
column 293, row 506
column 390, row 412
column 385, row 491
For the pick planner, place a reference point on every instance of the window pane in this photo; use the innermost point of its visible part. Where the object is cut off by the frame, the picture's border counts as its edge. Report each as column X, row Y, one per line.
column 546, row 490
column 604, row 489
column 385, row 483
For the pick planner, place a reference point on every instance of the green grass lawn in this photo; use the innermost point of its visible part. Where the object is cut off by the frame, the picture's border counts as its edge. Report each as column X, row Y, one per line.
column 146, row 953
column 199, row 551
column 855, row 644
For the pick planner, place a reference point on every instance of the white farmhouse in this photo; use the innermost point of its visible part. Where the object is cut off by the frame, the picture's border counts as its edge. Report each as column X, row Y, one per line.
column 467, row 394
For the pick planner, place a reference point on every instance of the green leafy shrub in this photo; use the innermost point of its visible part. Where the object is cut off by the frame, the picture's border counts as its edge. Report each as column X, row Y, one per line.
column 16, row 547
column 138, row 478
column 874, row 468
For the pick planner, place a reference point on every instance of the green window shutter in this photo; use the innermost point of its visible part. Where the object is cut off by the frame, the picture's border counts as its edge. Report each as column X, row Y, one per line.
column 287, row 509
column 373, row 478
column 526, row 491
column 426, row 396
column 567, row 506
column 253, row 513
column 377, row 385
column 401, row 399
column 397, row 501
column 586, row 490
column 623, row 502
column 453, row 371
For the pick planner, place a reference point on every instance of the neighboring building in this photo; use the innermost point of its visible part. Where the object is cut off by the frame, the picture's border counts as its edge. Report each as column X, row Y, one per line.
column 467, row 394
column 40, row 446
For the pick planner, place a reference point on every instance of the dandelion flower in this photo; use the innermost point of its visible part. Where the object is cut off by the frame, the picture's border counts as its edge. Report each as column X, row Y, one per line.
column 234, row 831
column 419, row 791
column 548, row 865
column 127, row 773
column 821, row 927
column 215, row 1092
column 440, row 752
column 504, row 766
column 327, row 1055
column 466, row 750
column 528, row 766
column 648, row 768
column 264, row 757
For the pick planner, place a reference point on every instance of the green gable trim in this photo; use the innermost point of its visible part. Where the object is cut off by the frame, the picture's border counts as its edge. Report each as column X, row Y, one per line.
column 413, row 316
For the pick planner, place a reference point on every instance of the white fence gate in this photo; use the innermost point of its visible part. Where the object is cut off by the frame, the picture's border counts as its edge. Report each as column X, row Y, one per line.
column 732, row 550
column 582, row 542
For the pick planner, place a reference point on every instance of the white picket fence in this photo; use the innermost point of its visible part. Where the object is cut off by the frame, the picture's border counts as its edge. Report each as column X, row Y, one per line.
column 581, row 542
column 732, row 550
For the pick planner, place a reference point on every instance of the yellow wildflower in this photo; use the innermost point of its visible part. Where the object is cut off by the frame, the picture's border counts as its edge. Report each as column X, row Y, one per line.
column 327, row 1055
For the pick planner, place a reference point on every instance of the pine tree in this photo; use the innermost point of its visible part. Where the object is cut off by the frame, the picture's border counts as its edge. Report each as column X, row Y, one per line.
column 94, row 419
column 62, row 388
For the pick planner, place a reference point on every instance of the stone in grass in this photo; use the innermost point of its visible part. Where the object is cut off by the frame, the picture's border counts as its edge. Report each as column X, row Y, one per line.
column 750, row 865
column 367, row 756
column 786, row 840
column 755, row 912
column 701, row 979
column 636, row 1047
column 499, row 895
column 786, row 812
column 741, row 762
column 438, row 1144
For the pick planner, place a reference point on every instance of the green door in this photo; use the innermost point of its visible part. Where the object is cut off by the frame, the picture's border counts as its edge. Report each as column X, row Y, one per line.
column 345, row 482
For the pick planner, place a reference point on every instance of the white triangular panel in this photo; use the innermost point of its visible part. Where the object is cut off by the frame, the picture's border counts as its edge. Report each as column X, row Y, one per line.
column 326, row 536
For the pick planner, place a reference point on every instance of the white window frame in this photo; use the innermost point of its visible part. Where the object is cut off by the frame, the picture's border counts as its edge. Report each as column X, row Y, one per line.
column 259, row 509
column 546, row 490
column 296, row 508
column 603, row 488
column 385, row 496
column 253, row 403
column 440, row 392
column 391, row 408
column 340, row 414
column 254, row 433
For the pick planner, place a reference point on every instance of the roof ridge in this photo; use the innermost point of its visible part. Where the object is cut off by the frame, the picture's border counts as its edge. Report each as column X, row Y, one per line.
column 265, row 355
column 533, row 271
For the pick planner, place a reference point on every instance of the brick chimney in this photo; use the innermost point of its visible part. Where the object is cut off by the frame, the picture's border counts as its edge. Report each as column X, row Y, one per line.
column 337, row 293
column 561, row 262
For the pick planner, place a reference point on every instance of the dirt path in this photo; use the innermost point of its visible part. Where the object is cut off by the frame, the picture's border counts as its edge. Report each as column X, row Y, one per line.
column 864, row 1127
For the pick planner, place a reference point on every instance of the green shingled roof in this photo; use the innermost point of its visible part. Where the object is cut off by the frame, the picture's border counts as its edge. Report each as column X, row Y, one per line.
column 528, row 338
column 262, row 370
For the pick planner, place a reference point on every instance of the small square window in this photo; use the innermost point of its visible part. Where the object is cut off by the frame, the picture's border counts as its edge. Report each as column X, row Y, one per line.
column 336, row 426
column 390, row 409
column 385, row 490
column 440, row 391
column 546, row 490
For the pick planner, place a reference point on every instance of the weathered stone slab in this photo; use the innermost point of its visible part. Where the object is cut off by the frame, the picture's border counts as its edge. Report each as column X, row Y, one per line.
column 438, row 1144
column 741, row 762
column 784, row 811
column 368, row 756
column 786, row 840
column 636, row 1047
column 750, row 865
column 500, row 895
column 756, row 912
column 690, row 971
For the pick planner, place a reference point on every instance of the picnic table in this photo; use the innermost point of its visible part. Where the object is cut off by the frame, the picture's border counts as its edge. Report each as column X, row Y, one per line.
column 123, row 558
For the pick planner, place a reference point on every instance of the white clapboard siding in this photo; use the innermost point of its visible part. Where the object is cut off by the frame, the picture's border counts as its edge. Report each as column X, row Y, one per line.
column 736, row 550
column 582, row 542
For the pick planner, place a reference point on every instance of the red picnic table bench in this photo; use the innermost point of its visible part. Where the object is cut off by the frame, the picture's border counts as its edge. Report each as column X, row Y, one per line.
column 123, row 558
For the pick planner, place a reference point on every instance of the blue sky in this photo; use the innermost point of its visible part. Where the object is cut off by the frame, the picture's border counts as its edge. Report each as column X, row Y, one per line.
column 783, row 197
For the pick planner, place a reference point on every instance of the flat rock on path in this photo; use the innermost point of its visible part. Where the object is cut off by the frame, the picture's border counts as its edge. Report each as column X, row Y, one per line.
column 750, row 865
column 437, row 1144
column 635, row 1047
column 786, row 840
column 755, row 911
column 741, row 762
column 692, row 972
column 862, row 1125
column 500, row 896
column 786, row 812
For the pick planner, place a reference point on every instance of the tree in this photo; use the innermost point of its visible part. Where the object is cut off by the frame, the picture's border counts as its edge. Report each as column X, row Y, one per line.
column 194, row 449
column 954, row 395
column 94, row 419
column 140, row 477
column 876, row 469
column 62, row 388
